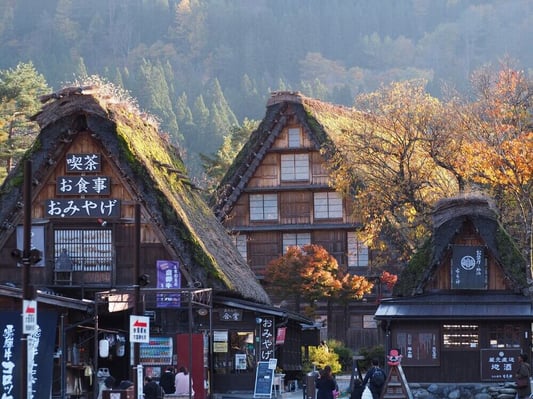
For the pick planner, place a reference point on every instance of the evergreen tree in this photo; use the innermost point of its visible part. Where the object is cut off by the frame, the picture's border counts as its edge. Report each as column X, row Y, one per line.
column 156, row 97
column 20, row 89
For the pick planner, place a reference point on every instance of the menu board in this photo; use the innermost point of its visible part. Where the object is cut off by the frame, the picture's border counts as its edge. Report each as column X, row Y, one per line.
column 264, row 377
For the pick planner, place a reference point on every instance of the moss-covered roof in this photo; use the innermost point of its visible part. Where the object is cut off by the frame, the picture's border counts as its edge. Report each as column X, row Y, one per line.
column 449, row 216
column 157, row 176
column 322, row 122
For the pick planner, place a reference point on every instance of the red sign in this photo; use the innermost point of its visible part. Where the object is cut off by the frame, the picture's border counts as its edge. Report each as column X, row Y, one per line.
column 280, row 336
column 139, row 323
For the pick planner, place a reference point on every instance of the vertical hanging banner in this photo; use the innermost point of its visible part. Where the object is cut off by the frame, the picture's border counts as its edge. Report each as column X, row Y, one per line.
column 469, row 269
column 266, row 339
column 168, row 276
column 280, row 336
column 40, row 355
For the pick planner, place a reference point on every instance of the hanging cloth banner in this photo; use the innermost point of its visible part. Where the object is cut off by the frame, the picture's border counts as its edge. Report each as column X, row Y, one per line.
column 40, row 355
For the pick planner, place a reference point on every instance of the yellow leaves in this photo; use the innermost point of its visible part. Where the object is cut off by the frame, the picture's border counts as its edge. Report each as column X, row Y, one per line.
column 508, row 164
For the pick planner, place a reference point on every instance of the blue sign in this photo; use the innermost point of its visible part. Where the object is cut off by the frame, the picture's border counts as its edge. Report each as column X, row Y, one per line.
column 40, row 355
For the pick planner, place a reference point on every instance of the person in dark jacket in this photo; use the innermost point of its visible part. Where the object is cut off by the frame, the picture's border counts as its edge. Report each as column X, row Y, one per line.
column 374, row 386
column 151, row 389
column 167, row 381
column 523, row 373
column 357, row 390
column 326, row 384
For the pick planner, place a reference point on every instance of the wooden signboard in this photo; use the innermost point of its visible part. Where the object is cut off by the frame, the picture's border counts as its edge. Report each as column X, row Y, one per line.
column 396, row 386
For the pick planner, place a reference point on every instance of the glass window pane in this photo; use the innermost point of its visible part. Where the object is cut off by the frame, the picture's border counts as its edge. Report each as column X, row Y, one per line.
column 294, row 137
column 264, row 207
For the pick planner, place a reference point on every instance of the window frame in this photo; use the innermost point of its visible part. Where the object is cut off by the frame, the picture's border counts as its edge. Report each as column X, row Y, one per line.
column 78, row 241
column 465, row 337
column 294, row 167
column 330, row 207
column 294, row 137
column 263, row 207
column 358, row 252
column 300, row 239
column 240, row 241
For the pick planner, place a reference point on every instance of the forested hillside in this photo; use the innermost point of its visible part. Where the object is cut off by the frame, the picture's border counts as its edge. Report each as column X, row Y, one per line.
column 203, row 66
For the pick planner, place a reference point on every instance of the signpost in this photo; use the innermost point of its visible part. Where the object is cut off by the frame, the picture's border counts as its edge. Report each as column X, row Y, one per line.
column 29, row 316
column 139, row 329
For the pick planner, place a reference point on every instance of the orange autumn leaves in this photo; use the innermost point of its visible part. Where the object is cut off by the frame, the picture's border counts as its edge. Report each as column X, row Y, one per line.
column 311, row 273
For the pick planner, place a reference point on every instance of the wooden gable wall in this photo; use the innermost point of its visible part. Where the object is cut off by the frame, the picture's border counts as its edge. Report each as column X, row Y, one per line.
column 295, row 202
column 122, row 227
column 441, row 279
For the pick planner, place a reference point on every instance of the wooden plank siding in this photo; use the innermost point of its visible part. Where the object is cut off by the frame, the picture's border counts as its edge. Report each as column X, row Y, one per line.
column 441, row 280
column 262, row 248
column 295, row 207
column 267, row 173
column 467, row 360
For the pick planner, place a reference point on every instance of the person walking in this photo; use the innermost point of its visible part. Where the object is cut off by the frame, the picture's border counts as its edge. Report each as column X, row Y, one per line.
column 326, row 384
column 151, row 389
column 168, row 381
column 523, row 373
column 183, row 382
column 357, row 390
column 375, row 378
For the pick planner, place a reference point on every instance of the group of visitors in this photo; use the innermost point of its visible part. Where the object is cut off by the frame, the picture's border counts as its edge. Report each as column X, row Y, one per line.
column 327, row 387
column 178, row 384
column 375, row 380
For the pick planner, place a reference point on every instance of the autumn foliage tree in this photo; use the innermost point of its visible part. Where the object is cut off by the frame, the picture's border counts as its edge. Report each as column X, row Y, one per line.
column 498, row 155
column 309, row 273
column 390, row 170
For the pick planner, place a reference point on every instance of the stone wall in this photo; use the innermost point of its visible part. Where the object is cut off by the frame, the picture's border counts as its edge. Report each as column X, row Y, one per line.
column 464, row 391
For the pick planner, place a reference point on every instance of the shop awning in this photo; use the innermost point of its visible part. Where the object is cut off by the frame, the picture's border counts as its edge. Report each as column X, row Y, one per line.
column 43, row 296
column 456, row 306
column 266, row 309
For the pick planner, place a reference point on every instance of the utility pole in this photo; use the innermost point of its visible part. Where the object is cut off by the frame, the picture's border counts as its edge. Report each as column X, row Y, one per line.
column 29, row 256
column 137, row 306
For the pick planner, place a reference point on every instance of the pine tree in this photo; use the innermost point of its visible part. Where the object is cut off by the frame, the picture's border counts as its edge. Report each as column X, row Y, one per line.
column 20, row 89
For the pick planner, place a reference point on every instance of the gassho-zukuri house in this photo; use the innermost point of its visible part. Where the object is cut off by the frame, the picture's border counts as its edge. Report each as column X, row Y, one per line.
column 133, row 266
column 462, row 309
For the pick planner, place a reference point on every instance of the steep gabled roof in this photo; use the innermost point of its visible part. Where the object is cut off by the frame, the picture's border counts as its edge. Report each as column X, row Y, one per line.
column 448, row 217
column 322, row 122
column 156, row 175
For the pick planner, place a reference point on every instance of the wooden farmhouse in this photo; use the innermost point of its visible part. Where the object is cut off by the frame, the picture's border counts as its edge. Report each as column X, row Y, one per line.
column 277, row 194
column 128, row 264
column 462, row 309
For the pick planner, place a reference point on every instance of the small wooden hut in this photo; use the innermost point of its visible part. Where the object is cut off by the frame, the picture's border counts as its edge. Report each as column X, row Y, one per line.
column 462, row 309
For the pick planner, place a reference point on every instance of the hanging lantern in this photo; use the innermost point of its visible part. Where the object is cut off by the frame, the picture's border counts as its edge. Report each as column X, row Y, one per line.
column 120, row 347
column 103, row 348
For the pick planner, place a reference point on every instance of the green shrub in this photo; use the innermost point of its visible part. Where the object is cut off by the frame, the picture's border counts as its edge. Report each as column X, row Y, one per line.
column 345, row 354
column 374, row 352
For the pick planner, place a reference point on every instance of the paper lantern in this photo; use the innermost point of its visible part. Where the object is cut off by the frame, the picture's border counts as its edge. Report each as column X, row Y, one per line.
column 103, row 348
column 120, row 346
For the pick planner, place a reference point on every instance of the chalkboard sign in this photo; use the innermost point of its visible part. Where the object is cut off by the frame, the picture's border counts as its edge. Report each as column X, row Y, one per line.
column 264, row 378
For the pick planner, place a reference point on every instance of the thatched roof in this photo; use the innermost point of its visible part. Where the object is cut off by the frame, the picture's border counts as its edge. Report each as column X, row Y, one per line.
column 449, row 215
column 157, row 178
column 322, row 123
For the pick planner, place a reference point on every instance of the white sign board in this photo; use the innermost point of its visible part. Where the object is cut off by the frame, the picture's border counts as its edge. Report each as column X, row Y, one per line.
column 29, row 316
column 139, row 329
